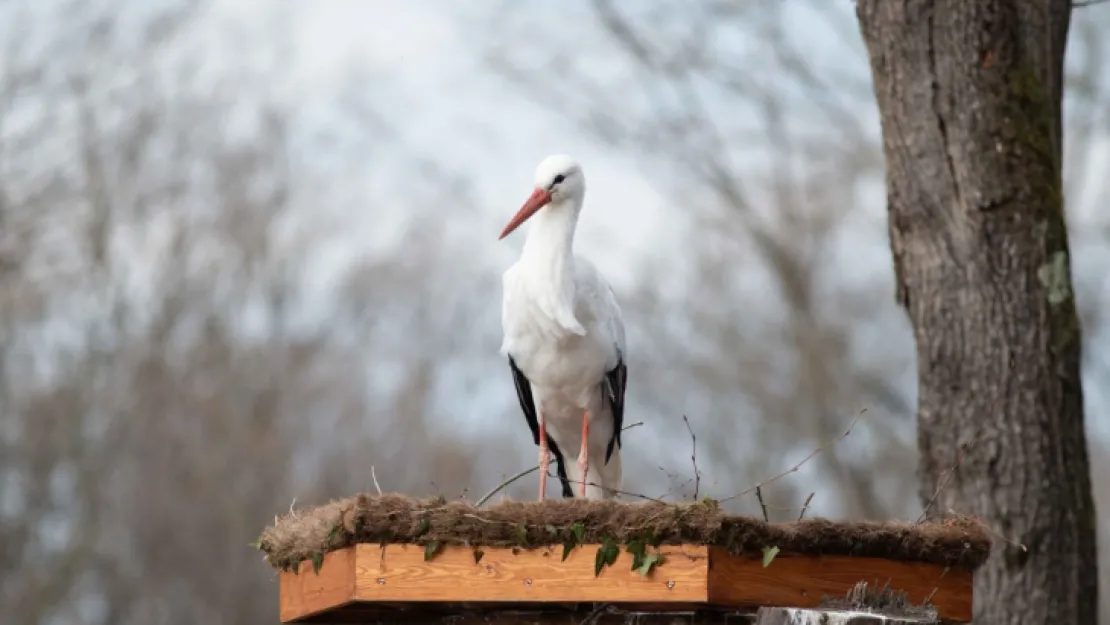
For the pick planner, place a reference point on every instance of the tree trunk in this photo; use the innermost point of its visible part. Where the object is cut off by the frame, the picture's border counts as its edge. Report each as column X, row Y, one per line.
column 970, row 94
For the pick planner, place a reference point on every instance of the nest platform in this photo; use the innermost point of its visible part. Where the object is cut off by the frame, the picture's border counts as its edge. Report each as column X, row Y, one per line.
column 392, row 558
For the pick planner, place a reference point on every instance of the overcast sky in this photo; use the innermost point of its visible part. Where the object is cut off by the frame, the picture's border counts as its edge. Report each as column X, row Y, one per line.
column 420, row 63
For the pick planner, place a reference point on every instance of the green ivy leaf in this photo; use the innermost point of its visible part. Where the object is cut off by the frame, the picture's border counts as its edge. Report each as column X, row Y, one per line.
column 606, row 555
column 612, row 551
column 295, row 565
column 255, row 544
column 317, row 561
column 650, row 560
column 520, row 534
column 431, row 549
column 579, row 532
column 637, row 548
column 422, row 527
column 769, row 554
column 478, row 553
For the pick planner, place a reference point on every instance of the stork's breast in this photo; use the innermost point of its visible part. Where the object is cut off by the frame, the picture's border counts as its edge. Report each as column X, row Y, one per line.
column 571, row 364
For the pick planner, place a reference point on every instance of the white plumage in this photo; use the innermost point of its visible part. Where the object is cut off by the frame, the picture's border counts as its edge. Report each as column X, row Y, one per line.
column 564, row 337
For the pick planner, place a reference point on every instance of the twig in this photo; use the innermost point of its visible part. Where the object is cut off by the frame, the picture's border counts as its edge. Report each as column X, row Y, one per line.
column 503, row 485
column 995, row 532
column 1008, row 540
column 672, row 477
column 619, row 492
column 693, row 456
column 929, row 598
column 946, row 475
column 763, row 506
column 805, row 506
column 481, row 520
column 772, row 506
column 794, row 469
column 593, row 617
column 374, row 476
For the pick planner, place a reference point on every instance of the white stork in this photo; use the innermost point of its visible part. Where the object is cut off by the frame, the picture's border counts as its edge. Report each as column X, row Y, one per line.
column 564, row 337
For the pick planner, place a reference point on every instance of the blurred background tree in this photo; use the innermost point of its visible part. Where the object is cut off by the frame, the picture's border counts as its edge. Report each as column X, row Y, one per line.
column 248, row 252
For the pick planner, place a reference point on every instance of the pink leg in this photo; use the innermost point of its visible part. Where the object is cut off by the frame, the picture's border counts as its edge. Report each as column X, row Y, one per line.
column 583, row 454
column 545, row 458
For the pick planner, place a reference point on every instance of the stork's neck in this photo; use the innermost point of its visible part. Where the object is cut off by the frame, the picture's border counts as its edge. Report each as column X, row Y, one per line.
column 550, row 240
column 548, row 256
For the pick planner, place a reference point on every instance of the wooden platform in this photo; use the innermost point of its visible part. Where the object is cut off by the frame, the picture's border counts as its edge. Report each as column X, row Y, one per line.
column 364, row 582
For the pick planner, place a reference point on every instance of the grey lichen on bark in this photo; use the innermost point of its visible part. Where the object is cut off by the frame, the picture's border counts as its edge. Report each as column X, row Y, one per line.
column 1055, row 278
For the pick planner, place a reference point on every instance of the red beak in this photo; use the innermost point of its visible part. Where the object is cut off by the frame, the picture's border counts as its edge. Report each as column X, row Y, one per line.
column 535, row 202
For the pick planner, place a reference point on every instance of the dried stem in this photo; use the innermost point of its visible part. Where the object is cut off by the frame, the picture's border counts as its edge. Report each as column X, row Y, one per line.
column 596, row 614
column 693, row 456
column 762, row 505
column 374, row 476
column 805, row 506
column 795, row 468
column 506, row 483
column 946, row 476
column 996, row 533
column 620, row 492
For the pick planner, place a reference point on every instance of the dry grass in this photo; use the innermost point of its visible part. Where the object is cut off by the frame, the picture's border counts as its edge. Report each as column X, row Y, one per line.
column 882, row 600
column 305, row 533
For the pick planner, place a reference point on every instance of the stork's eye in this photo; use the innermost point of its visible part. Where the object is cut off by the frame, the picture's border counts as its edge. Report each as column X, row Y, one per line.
column 558, row 179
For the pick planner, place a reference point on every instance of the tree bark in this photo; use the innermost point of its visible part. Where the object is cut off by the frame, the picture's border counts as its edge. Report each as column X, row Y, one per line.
column 969, row 94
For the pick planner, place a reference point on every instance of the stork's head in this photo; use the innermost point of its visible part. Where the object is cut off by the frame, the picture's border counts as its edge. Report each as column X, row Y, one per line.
column 558, row 182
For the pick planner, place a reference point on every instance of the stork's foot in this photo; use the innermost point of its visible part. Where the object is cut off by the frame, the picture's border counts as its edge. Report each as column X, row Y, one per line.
column 583, row 454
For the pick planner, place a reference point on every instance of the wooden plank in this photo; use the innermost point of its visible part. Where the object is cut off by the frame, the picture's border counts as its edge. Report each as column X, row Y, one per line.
column 803, row 581
column 365, row 578
column 532, row 614
column 508, row 575
column 306, row 592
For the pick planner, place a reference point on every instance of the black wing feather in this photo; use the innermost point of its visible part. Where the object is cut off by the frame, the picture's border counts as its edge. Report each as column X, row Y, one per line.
column 528, row 406
column 615, row 382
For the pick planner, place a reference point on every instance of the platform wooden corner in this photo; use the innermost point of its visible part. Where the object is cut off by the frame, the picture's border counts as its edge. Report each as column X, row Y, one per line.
column 360, row 583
